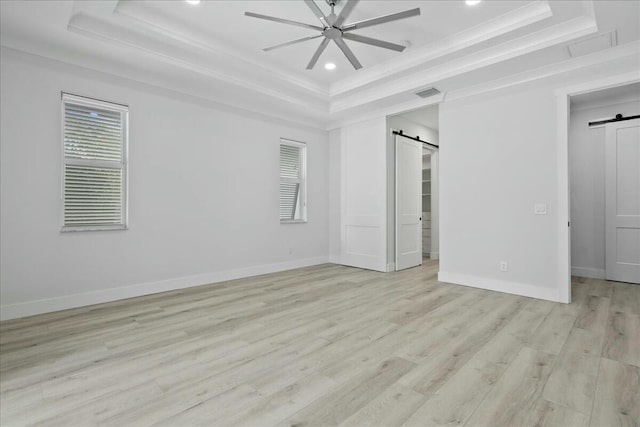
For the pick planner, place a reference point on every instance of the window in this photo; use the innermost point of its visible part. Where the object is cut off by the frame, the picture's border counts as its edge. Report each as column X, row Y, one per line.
column 293, row 202
column 94, row 190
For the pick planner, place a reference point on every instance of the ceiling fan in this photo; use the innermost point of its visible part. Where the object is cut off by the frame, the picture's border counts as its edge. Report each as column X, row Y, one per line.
column 334, row 28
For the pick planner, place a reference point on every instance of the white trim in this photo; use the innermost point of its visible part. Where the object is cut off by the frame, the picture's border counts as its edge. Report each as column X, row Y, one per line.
column 597, row 105
column 256, row 110
column 513, row 48
column 547, row 71
column 604, row 83
column 30, row 308
column 513, row 80
column 564, row 210
column 154, row 23
column 564, row 216
column 515, row 288
column 108, row 24
column 105, row 31
column 592, row 273
column 295, row 94
column 417, row 56
column 434, row 255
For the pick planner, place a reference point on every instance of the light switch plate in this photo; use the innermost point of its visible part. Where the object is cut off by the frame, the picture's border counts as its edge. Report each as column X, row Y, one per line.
column 540, row 208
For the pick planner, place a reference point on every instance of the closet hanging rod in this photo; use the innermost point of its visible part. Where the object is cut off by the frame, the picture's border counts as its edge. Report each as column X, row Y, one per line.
column 415, row 138
column 617, row 118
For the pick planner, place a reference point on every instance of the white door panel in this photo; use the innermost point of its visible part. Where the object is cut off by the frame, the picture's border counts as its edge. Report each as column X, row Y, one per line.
column 408, row 203
column 364, row 195
column 623, row 201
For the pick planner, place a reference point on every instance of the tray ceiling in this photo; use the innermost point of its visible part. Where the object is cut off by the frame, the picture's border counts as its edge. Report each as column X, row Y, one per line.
column 212, row 49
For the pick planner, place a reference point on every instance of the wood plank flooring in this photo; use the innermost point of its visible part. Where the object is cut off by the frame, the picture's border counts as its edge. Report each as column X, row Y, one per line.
column 329, row 346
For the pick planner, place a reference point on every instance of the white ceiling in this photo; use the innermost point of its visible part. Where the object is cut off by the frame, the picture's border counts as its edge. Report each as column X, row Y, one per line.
column 214, row 52
column 224, row 22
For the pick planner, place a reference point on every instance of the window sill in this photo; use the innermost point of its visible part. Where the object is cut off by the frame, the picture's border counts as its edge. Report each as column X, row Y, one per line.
column 71, row 229
column 293, row 221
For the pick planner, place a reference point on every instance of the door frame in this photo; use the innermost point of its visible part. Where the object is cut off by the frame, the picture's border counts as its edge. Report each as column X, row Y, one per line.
column 435, row 193
column 564, row 207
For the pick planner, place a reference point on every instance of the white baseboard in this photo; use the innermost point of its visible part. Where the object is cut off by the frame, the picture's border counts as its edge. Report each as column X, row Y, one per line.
column 592, row 273
column 30, row 308
column 434, row 255
column 515, row 288
column 391, row 267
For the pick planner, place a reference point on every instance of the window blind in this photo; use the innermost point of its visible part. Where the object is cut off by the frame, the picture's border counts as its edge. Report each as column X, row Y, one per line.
column 92, row 134
column 94, row 164
column 291, row 181
column 288, row 200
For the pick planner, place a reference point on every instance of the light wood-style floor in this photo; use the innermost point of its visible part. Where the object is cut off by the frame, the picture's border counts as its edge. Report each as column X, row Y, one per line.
column 326, row 346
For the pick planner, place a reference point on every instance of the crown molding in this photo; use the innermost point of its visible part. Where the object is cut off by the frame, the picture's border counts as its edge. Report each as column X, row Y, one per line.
column 101, row 29
column 264, row 109
column 227, row 77
column 619, row 79
column 503, row 24
column 157, row 23
column 629, row 52
column 548, row 37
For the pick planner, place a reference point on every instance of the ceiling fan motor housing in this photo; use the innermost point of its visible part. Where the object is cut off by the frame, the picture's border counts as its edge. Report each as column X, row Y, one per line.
column 332, row 33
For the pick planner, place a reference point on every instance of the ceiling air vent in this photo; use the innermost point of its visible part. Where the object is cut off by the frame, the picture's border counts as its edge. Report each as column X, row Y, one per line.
column 425, row 93
column 593, row 44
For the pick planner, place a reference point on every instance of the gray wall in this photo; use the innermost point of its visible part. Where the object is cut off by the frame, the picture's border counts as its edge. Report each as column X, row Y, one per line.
column 498, row 157
column 203, row 194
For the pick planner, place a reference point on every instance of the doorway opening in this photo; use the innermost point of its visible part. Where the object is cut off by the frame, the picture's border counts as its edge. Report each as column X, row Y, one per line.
column 604, row 183
column 413, row 183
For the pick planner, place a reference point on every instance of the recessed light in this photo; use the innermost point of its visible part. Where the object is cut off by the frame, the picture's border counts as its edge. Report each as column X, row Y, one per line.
column 472, row 2
column 193, row 1
column 329, row 66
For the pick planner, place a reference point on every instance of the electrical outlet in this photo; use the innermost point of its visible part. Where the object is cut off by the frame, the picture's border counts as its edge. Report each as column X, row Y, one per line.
column 504, row 266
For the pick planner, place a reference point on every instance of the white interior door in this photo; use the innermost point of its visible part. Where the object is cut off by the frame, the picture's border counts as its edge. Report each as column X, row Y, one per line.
column 364, row 195
column 623, row 201
column 408, row 203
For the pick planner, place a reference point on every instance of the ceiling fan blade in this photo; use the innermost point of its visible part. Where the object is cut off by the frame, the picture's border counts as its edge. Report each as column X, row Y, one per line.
column 316, row 11
column 316, row 56
column 304, row 39
column 381, row 19
column 347, row 52
column 345, row 12
column 284, row 21
column 374, row 42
